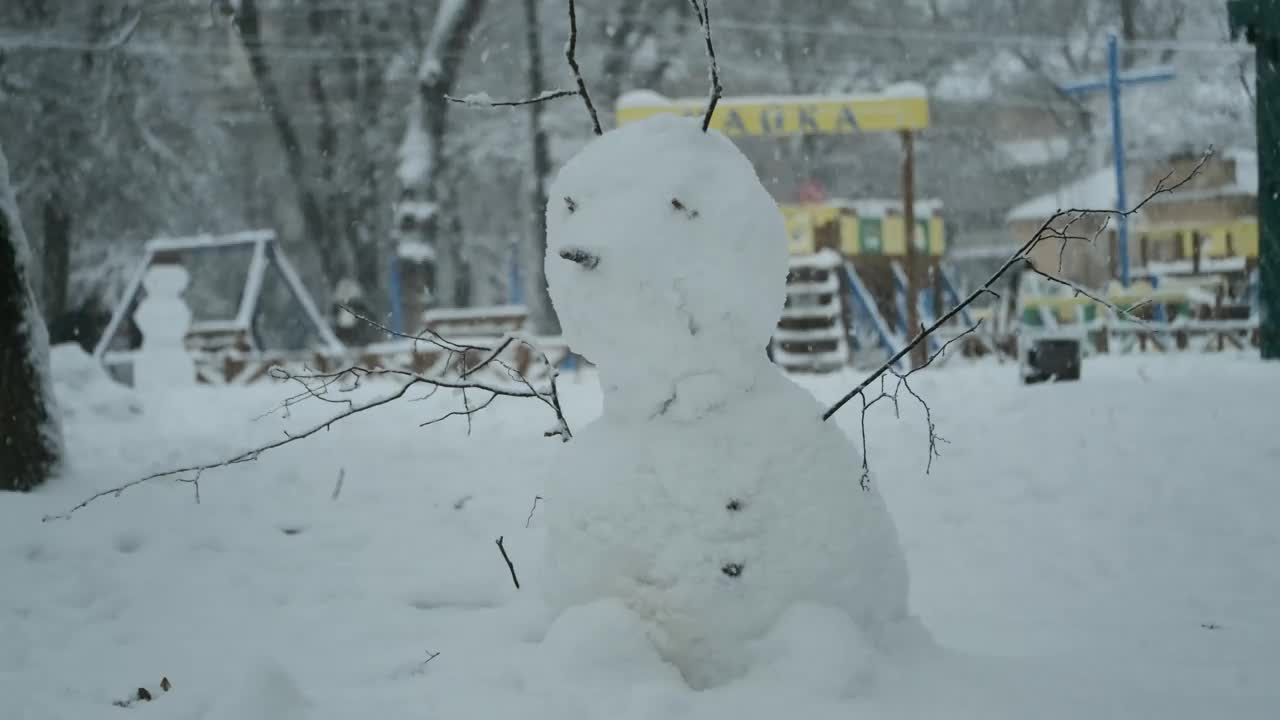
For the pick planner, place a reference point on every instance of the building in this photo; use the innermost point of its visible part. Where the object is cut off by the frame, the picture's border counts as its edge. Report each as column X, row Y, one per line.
column 1213, row 217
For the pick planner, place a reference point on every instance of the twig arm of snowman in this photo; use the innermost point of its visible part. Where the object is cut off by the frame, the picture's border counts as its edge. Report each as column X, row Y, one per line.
column 703, row 13
column 700, row 10
column 1057, row 228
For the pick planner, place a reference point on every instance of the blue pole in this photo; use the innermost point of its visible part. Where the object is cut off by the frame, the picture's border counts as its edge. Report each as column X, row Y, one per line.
column 1117, row 153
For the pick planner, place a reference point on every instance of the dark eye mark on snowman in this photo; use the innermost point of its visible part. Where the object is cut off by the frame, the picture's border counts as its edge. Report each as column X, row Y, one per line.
column 734, row 505
column 587, row 260
column 732, row 569
column 571, row 204
column 688, row 211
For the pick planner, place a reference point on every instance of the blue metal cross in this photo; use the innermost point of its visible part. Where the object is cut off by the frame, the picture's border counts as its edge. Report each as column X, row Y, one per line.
column 1112, row 83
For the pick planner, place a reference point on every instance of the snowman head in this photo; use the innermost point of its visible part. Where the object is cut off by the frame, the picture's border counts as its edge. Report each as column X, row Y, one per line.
column 166, row 280
column 664, row 250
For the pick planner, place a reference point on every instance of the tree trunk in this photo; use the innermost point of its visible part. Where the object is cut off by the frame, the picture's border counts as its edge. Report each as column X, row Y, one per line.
column 423, row 169
column 57, row 257
column 249, row 29
column 542, row 314
column 30, row 438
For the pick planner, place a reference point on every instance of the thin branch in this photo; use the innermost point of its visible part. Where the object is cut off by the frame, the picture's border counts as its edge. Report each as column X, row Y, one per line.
column 428, row 335
column 533, row 507
column 353, row 375
column 483, row 100
column 511, row 567
column 570, row 54
column 468, row 410
column 337, row 487
column 1244, row 83
column 1081, row 292
column 703, row 13
column 1022, row 254
column 244, row 457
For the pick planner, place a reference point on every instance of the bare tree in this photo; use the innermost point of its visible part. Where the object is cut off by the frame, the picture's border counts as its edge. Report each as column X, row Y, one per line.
column 248, row 24
column 425, row 212
column 30, row 436
column 542, row 314
column 104, row 138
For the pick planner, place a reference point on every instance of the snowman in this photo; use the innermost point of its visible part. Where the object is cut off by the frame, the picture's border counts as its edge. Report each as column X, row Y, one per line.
column 163, row 317
column 709, row 497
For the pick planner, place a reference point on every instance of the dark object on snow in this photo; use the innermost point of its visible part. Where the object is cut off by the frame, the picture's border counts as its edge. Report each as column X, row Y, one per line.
column 1057, row 358
column 30, row 445
column 582, row 257
column 732, row 569
column 84, row 326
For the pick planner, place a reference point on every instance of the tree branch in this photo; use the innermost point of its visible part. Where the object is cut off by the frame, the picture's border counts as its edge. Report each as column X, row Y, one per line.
column 570, row 54
column 1021, row 255
column 319, row 385
column 483, row 99
column 703, row 13
column 510, row 566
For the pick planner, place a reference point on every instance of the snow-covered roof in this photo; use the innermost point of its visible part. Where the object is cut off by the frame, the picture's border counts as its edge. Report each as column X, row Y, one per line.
column 198, row 242
column 649, row 98
column 1095, row 190
column 1036, row 151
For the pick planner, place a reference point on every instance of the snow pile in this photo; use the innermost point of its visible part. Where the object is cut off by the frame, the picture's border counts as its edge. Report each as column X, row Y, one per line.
column 710, row 497
column 1066, row 548
column 82, row 386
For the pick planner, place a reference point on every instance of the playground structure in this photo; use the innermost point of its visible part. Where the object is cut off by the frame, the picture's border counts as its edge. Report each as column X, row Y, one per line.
column 1168, row 314
column 847, row 291
column 1194, row 279
column 251, row 312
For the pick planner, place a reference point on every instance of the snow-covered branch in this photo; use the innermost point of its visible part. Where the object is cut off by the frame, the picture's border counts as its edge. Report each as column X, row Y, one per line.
column 482, row 99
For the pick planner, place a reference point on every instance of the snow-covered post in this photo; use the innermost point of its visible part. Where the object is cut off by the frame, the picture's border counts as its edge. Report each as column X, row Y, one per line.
column 30, row 436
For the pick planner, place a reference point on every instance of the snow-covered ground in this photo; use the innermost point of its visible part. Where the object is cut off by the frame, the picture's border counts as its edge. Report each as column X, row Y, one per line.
column 1107, row 548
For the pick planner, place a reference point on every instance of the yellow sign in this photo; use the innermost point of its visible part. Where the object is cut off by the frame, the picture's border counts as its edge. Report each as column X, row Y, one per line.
column 792, row 114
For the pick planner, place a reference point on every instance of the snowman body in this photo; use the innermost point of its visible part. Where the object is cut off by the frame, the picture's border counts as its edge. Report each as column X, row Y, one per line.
column 163, row 317
column 709, row 497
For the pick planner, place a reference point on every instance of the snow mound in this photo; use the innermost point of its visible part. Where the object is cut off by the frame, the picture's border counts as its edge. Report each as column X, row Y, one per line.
column 269, row 693
column 603, row 643
column 83, row 386
column 814, row 649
